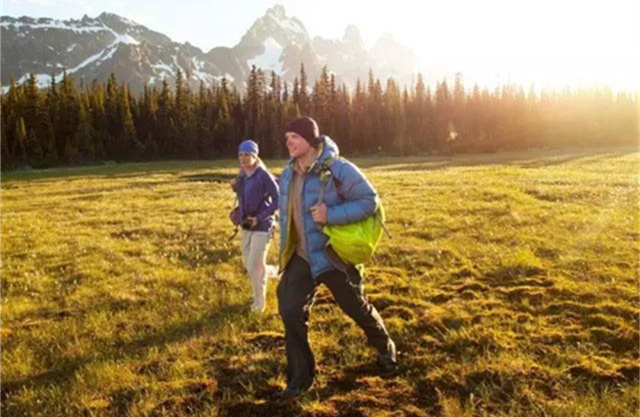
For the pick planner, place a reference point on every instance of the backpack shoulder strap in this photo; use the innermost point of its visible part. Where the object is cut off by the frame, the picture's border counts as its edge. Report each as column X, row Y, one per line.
column 325, row 173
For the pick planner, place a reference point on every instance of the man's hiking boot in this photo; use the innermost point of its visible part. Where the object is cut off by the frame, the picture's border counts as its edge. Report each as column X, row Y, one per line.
column 388, row 361
column 288, row 393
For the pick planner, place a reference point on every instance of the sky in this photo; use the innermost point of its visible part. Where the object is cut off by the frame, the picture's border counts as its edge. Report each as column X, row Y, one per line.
column 547, row 43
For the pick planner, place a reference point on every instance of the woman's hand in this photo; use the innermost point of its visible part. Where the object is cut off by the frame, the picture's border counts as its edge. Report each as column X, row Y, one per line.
column 253, row 220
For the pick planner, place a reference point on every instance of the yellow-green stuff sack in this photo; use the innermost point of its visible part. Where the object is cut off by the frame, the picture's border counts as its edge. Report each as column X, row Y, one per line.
column 356, row 242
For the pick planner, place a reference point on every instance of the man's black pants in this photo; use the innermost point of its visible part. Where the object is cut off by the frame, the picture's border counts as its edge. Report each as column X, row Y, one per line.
column 296, row 292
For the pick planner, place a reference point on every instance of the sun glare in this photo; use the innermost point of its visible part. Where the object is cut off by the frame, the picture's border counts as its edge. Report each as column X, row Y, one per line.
column 547, row 44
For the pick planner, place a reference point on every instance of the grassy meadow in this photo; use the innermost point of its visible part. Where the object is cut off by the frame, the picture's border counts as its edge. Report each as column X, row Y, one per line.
column 510, row 286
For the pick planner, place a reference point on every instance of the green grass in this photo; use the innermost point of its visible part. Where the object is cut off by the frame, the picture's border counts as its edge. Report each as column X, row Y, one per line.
column 510, row 286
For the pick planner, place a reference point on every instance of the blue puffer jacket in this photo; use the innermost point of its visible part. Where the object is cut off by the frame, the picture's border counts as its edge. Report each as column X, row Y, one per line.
column 355, row 200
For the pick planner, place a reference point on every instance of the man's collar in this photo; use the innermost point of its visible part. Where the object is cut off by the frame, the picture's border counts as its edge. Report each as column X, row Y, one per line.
column 318, row 151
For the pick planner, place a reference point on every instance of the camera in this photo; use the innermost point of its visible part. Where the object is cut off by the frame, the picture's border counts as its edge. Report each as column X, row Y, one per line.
column 246, row 223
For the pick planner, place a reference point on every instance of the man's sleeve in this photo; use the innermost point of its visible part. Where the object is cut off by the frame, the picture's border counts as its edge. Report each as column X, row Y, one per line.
column 360, row 196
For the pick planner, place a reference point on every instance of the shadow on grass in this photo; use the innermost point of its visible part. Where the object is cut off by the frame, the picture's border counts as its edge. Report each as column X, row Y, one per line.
column 531, row 158
column 347, row 379
column 213, row 176
column 118, row 170
column 65, row 371
column 264, row 409
column 528, row 159
column 263, row 402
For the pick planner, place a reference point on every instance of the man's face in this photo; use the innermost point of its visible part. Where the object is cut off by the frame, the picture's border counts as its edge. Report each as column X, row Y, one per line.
column 297, row 145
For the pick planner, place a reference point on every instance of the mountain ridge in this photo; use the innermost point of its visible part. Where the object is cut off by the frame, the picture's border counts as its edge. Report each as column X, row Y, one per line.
column 92, row 48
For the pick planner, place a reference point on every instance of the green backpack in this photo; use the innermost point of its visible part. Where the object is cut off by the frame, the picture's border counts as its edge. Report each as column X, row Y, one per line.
column 354, row 242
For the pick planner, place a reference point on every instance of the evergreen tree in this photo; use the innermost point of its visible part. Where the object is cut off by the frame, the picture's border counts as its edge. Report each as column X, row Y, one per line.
column 360, row 120
column 458, row 131
column 393, row 127
column 112, row 119
column 183, row 142
column 303, row 92
column 85, row 135
column 373, row 121
column 321, row 100
column 21, row 140
column 444, row 128
column 164, row 131
column 11, row 110
column 6, row 161
column 39, row 141
column 223, row 125
column 132, row 149
column 255, row 106
column 66, row 124
column 99, row 121
column 146, row 121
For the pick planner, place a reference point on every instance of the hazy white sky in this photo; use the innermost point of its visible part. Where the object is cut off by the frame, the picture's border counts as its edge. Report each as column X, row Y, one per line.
column 546, row 42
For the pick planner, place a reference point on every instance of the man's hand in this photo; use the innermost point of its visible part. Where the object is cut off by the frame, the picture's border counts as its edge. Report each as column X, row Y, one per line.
column 233, row 182
column 319, row 213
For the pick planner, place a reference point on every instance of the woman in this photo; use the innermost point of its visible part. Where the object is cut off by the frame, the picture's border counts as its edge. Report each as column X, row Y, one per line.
column 257, row 193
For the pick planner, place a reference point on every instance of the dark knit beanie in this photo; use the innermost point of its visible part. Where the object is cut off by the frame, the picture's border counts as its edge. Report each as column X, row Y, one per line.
column 307, row 128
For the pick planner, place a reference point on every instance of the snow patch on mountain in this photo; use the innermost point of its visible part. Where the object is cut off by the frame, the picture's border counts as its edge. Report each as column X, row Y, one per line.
column 42, row 81
column 125, row 38
column 54, row 24
column 162, row 69
column 270, row 58
column 109, row 54
column 199, row 73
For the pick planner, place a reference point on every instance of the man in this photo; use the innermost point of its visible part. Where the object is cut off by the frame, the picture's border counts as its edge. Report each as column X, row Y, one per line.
column 306, row 262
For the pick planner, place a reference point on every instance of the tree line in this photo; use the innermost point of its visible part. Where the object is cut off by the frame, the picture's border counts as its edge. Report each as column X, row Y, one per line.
column 66, row 124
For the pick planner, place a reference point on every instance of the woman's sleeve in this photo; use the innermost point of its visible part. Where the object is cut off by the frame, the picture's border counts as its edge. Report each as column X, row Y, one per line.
column 271, row 190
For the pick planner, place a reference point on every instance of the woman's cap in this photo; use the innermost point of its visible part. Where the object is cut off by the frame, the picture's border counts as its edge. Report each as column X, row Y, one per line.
column 249, row 147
